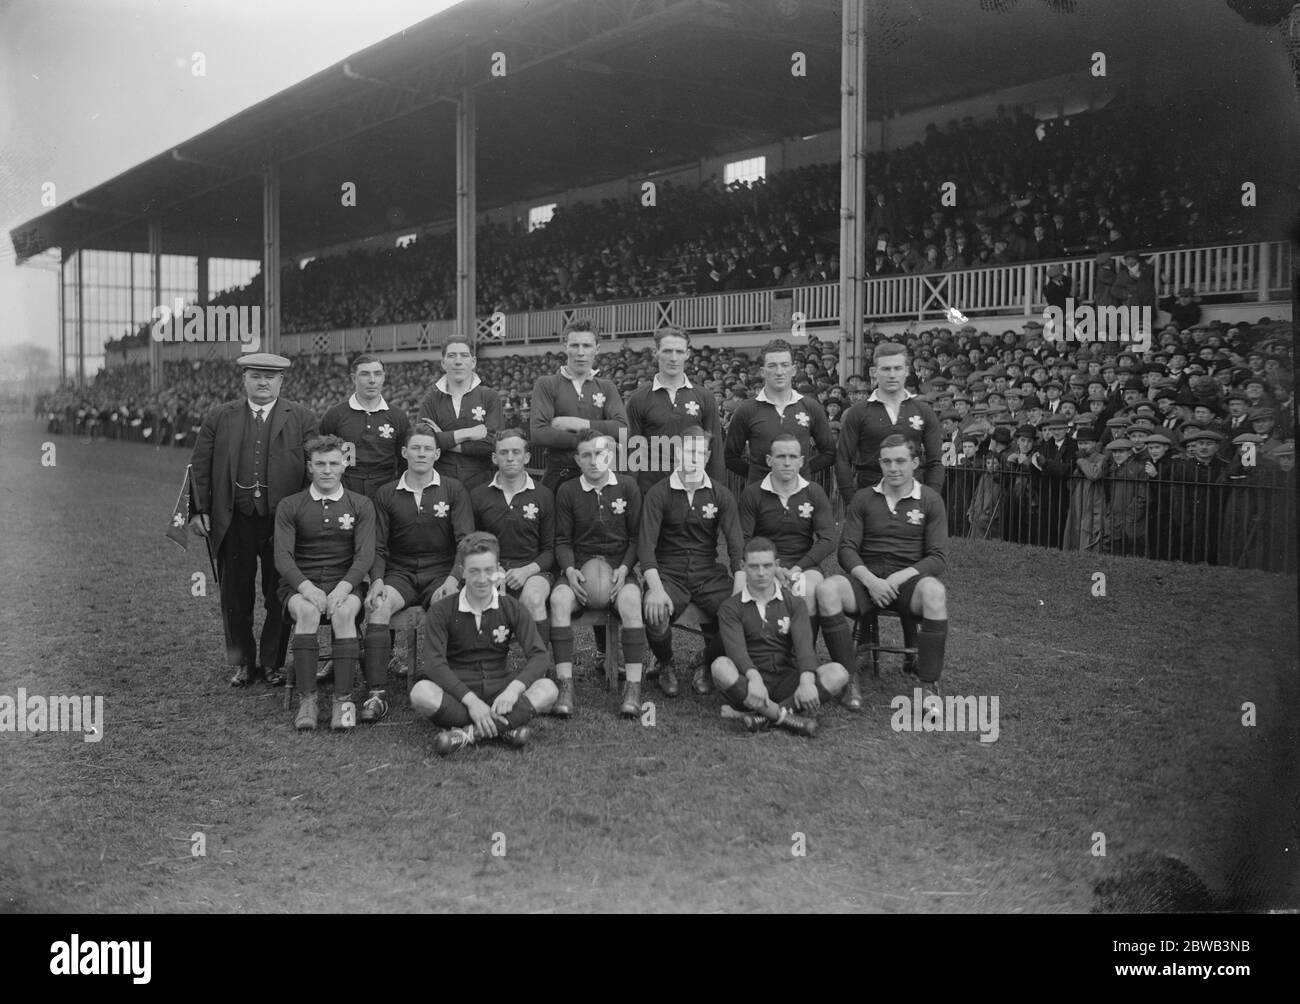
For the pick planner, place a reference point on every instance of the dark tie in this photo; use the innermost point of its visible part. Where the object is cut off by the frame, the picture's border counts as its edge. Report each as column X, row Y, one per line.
column 261, row 417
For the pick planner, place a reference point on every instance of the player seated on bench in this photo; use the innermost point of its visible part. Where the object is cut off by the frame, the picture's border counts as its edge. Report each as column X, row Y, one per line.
column 462, row 681
column 420, row 519
column 795, row 515
column 324, row 545
column 521, row 515
column 681, row 519
column 770, row 668
column 596, row 518
column 894, row 547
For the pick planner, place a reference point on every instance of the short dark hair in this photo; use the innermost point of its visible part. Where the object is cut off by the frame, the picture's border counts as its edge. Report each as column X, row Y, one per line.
column 478, row 542
column 366, row 357
column 420, row 427
column 775, row 345
column 588, row 434
column 888, row 349
column 511, row 432
column 580, row 324
column 782, row 437
column 459, row 340
column 322, row 444
column 671, row 332
column 756, row 544
column 889, row 442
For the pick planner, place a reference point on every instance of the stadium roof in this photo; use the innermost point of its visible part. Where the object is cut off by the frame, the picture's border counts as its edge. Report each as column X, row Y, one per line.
column 594, row 90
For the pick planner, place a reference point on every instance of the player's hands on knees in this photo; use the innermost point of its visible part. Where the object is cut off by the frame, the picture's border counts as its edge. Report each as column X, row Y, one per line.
column 314, row 595
column 578, row 583
column 805, row 695
column 881, row 592
column 338, row 595
column 449, row 586
column 756, row 697
column 658, row 607
column 782, row 576
column 378, row 593
column 481, row 715
column 505, row 703
column 201, row 523
column 617, row 581
column 515, row 579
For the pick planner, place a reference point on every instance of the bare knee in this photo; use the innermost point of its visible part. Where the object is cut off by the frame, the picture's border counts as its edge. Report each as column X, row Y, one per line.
column 426, row 697
column 629, row 606
column 724, row 671
column 542, row 694
column 933, row 597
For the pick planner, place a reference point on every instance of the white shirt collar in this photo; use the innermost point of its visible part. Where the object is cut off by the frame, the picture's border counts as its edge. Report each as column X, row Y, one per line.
column 915, row 493
column 405, row 486
column 657, row 384
column 338, row 494
column 355, row 404
column 747, row 597
column 610, row 479
column 441, row 383
column 255, row 408
column 568, row 374
column 675, row 481
column 762, row 396
column 528, row 482
column 464, row 607
column 872, row 396
column 800, row 484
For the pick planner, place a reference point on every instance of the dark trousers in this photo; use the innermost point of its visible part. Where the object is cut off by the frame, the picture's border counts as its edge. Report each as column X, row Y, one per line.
column 556, row 476
column 250, row 539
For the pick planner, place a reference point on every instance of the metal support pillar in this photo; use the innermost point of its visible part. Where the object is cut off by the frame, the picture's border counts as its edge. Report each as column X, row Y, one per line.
column 81, row 324
column 853, row 181
column 155, row 281
column 271, row 258
column 466, row 265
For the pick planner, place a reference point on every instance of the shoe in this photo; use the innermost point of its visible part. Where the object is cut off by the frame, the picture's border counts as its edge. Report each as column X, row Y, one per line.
column 631, row 706
column 451, row 740
column 930, row 696
column 702, row 681
column 909, row 665
column 564, row 703
column 397, row 665
column 852, row 697
column 806, row 727
column 344, row 715
column 242, row 678
column 305, row 720
column 668, row 679
column 325, row 670
column 273, row 677
column 756, row 723
column 518, row 738
column 375, row 707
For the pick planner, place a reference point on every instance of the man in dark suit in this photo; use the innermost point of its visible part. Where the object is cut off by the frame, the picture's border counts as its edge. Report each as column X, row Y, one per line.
column 249, row 456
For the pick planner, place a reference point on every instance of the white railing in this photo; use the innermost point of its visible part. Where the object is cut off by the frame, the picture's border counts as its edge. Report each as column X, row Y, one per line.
column 1247, row 272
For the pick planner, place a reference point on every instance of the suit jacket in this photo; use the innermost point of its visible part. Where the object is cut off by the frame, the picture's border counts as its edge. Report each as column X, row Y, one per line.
column 216, row 455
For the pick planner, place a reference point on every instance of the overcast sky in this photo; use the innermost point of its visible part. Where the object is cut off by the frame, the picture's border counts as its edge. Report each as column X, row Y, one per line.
column 89, row 88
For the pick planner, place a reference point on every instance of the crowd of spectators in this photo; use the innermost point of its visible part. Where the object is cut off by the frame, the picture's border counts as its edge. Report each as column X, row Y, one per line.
column 1088, row 184
column 997, row 395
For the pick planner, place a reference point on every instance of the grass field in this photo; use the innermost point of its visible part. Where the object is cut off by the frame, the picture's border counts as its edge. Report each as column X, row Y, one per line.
column 1120, row 714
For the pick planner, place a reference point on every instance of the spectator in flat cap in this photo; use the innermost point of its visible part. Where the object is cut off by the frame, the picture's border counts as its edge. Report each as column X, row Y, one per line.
column 1251, row 535
column 1021, row 490
column 1196, row 499
column 1127, row 519
column 1085, row 524
column 984, row 513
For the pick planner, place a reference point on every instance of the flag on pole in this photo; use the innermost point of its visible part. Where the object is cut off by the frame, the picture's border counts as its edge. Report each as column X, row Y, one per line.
column 179, row 530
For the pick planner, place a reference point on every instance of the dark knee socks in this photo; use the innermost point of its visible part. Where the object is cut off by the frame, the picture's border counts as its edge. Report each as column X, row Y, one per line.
column 379, row 649
column 306, row 659
column 346, row 652
column 838, row 633
column 931, row 640
column 562, row 643
column 633, row 645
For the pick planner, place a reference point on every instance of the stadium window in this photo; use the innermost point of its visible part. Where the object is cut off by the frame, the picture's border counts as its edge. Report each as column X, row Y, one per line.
column 406, row 240
column 539, row 216
column 745, row 171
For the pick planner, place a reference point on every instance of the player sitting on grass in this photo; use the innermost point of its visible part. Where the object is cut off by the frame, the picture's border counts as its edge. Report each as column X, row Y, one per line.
column 595, row 545
column 682, row 518
column 770, row 668
column 419, row 520
column 795, row 515
column 324, row 545
column 894, row 549
column 463, row 682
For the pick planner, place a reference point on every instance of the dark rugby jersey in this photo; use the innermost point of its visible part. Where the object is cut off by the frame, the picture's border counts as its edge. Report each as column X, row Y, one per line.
column 324, row 540
column 479, row 405
column 524, row 526
column 867, row 423
column 757, row 422
column 376, row 437
column 803, row 529
column 684, row 534
column 457, row 652
column 420, row 532
column 555, row 395
column 775, row 641
column 652, row 412
column 592, row 523
column 913, row 535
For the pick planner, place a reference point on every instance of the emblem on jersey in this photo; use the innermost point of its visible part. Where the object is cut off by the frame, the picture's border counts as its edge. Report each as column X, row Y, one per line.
column 530, row 511
column 441, row 509
column 500, row 633
column 618, row 505
column 178, row 520
column 692, row 407
column 478, row 413
column 915, row 516
column 783, row 625
column 598, row 399
column 386, row 431
column 346, row 521
column 802, row 418
column 806, row 510
column 709, row 511
column 916, row 422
